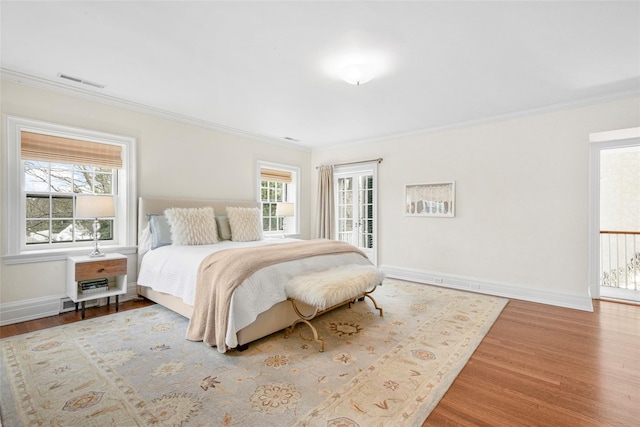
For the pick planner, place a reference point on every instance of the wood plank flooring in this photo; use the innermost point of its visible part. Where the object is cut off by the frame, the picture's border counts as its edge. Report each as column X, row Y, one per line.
column 549, row 366
column 538, row 365
column 68, row 317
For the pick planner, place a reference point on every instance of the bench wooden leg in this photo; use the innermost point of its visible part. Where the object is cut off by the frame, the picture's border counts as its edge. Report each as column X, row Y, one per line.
column 289, row 330
column 368, row 295
column 375, row 304
column 305, row 319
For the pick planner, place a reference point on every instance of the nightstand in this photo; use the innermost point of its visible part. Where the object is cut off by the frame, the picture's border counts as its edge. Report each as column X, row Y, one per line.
column 92, row 278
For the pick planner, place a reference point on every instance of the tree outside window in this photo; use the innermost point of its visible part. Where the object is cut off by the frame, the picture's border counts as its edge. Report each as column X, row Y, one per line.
column 277, row 184
column 271, row 193
column 50, row 190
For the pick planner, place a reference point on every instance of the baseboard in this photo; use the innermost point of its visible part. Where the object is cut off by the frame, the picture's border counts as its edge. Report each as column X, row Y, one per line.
column 483, row 286
column 37, row 308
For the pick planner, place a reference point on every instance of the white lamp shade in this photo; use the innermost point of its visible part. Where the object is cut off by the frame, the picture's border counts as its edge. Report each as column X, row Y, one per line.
column 285, row 209
column 95, row 207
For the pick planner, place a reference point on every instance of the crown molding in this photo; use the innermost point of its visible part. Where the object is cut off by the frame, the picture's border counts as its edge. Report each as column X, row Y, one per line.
column 485, row 120
column 90, row 95
column 113, row 101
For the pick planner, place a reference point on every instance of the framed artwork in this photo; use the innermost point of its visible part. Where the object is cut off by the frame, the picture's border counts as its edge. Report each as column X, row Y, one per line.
column 430, row 200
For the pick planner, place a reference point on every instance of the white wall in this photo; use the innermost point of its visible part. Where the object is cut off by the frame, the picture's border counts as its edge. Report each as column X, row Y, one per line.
column 174, row 160
column 521, row 225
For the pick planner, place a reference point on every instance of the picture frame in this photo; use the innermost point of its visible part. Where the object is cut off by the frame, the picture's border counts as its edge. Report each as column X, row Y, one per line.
column 436, row 199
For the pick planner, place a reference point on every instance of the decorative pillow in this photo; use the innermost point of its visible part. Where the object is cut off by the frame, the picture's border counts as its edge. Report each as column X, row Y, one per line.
column 224, row 229
column 192, row 226
column 159, row 230
column 246, row 224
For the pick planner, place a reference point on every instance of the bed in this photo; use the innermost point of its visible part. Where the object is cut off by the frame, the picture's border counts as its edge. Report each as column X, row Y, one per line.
column 168, row 273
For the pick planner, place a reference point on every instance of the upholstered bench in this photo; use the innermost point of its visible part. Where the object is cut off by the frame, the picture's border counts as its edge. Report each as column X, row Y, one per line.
column 326, row 290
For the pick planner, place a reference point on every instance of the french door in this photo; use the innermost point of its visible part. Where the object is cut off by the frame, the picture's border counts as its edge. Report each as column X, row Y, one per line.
column 620, row 221
column 614, row 219
column 356, row 210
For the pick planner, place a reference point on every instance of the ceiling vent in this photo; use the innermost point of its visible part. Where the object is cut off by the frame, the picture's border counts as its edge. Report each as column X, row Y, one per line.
column 79, row 80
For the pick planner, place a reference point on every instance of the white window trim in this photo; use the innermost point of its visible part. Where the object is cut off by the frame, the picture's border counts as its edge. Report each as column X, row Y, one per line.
column 294, row 197
column 13, row 249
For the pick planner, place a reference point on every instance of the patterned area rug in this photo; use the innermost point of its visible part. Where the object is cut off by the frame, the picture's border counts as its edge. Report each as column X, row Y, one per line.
column 135, row 368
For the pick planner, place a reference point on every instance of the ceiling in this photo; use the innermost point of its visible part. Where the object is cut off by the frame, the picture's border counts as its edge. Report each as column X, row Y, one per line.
column 271, row 69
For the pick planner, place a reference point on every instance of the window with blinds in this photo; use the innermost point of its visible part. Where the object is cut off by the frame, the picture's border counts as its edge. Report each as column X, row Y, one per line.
column 277, row 184
column 57, row 169
column 47, row 165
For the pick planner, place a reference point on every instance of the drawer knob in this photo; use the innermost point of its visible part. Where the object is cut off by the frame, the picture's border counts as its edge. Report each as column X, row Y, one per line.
column 101, row 270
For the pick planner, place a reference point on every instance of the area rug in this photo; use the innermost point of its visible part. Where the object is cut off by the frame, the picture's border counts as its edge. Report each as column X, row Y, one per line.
column 135, row 368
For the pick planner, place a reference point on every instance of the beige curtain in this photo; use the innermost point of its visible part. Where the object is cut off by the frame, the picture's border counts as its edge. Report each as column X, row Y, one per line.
column 326, row 209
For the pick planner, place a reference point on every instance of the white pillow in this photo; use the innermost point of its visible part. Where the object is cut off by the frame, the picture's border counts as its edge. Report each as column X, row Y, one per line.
column 192, row 226
column 246, row 224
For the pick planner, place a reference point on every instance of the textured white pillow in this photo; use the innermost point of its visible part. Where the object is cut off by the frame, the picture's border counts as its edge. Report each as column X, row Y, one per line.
column 246, row 224
column 192, row 226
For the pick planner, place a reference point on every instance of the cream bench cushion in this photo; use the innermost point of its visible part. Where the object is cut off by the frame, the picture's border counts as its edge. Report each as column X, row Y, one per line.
column 324, row 289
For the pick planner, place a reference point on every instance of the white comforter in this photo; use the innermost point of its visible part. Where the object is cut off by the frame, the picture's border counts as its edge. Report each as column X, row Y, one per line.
column 174, row 269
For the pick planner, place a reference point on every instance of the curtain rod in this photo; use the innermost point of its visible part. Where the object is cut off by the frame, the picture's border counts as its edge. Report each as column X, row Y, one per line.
column 379, row 160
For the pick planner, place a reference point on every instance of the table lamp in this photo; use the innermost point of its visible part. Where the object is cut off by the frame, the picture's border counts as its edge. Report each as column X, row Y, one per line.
column 285, row 210
column 95, row 207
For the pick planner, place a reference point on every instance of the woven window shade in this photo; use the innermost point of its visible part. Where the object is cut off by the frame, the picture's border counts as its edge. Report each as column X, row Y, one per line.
column 48, row 148
column 275, row 175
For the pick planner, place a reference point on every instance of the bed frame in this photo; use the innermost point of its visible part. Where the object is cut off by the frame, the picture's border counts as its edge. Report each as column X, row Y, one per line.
column 277, row 318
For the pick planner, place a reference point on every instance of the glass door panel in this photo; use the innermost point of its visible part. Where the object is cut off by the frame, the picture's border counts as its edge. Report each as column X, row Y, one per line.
column 355, row 208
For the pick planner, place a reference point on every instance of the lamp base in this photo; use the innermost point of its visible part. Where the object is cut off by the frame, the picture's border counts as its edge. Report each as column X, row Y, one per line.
column 96, row 254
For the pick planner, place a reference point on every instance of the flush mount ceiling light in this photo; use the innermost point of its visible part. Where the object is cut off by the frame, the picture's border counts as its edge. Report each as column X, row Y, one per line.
column 357, row 65
column 356, row 74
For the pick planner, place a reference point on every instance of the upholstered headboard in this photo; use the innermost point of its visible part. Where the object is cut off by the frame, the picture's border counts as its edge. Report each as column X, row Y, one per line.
column 157, row 205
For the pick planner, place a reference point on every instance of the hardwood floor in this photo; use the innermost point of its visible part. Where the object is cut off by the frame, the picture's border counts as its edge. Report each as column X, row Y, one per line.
column 538, row 365
column 549, row 366
column 68, row 317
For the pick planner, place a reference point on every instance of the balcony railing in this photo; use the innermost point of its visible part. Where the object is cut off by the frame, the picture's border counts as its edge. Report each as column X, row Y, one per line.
column 620, row 259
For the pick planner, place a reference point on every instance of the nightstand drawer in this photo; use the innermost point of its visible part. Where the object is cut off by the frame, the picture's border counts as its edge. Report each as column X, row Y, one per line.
column 99, row 269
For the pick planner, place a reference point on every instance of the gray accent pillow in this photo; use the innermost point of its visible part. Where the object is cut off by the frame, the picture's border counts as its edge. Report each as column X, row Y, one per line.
column 160, row 230
column 224, row 228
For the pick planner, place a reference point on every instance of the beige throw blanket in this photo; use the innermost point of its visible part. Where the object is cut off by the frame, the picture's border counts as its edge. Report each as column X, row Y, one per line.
column 222, row 272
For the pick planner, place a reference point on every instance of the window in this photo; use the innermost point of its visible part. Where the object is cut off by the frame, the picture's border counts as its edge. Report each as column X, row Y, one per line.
column 48, row 166
column 277, row 184
column 50, row 191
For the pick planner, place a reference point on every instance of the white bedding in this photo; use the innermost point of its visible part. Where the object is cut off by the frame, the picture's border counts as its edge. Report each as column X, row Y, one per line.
column 173, row 270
